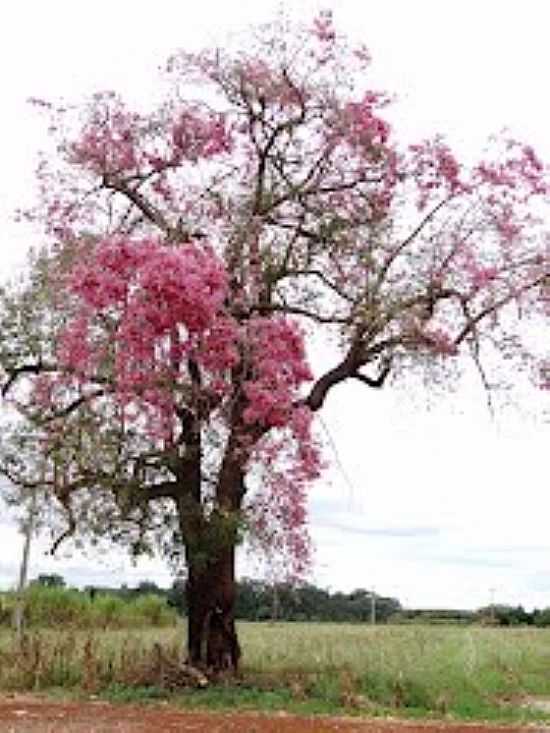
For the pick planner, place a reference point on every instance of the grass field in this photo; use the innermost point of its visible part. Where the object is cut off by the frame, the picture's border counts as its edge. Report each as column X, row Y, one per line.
column 463, row 672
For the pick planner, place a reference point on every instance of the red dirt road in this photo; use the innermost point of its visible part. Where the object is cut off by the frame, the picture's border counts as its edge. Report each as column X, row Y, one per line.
column 28, row 714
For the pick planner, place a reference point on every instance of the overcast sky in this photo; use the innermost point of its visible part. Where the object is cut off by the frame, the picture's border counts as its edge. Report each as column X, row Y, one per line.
column 434, row 503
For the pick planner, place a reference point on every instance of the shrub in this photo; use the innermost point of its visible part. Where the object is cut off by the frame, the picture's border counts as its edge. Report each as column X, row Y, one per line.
column 56, row 607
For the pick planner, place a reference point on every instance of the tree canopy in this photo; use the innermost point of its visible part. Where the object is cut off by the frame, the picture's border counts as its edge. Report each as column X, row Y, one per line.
column 157, row 353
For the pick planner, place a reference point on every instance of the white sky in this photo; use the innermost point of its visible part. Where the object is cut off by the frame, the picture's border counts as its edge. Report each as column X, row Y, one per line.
column 440, row 505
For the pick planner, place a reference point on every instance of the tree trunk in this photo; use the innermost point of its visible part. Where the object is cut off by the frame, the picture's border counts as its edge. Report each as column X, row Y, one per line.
column 212, row 640
column 210, row 540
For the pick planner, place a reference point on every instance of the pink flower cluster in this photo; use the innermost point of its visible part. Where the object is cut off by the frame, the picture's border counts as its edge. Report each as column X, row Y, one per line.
column 108, row 143
column 195, row 136
column 278, row 511
column 524, row 170
column 116, row 141
column 279, row 368
column 439, row 341
column 323, row 27
column 364, row 127
column 434, row 168
column 155, row 285
column 166, row 304
column 161, row 301
column 75, row 350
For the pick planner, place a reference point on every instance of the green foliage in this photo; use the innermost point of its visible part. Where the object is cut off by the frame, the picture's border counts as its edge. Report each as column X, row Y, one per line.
column 50, row 581
column 542, row 618
column 54, row 606
column 153, row 610
column 258, row 601
column 502, row 615
column 49, row 606
column 435, row 616
column 121, row 693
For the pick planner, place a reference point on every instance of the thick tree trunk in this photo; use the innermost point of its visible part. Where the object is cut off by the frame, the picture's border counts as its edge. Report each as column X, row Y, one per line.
column 210, row 540
column 212, row 640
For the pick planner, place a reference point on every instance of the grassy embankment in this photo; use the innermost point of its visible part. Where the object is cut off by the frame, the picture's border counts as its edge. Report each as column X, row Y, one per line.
column 414, row 671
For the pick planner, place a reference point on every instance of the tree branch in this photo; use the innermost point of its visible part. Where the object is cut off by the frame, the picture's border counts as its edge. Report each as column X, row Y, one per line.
column 496, row 306
column 405, row 243
column 162, row 490
column 297, row 311
column 114, row 183
column 14, row 374
column 348, row 368
column 375, row 382
column 73, row 406
column 330, row 379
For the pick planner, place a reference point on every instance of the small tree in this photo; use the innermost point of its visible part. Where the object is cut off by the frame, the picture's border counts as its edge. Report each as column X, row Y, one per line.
column 53, row 580
column 157, row 353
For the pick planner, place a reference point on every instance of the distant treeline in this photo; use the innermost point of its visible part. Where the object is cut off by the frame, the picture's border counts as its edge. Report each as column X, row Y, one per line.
column 497, row 615
column 261, row 601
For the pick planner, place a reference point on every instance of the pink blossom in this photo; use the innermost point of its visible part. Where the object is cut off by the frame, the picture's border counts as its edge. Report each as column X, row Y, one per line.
column 323, row 27
column 364, row 126
column 109, row 142
column 195, row 136
column 434, row 169
column 439, row 341
column 300, row 196
column 280, row 368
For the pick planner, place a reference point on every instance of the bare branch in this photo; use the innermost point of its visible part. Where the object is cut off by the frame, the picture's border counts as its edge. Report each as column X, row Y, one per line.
column 14, row 374
column 297, row 311
column 496, row 306
column 162, row 490
column 375, row 382
column 115, row 183
column 325, row 280
column 74, row 405
column 405, row 243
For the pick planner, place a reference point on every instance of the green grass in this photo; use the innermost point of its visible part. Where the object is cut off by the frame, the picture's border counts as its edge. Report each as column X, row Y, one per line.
column 65, row 607
column 467, row 673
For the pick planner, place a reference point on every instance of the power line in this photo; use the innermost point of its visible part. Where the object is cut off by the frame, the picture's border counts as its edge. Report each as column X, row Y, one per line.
column 340, row 466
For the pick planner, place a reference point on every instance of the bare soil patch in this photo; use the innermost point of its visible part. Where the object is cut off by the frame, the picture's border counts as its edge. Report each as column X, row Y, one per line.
column 33, row 714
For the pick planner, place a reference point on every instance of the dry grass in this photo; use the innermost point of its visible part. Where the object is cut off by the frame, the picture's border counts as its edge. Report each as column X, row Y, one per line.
column 88, row 661
column 466, row 672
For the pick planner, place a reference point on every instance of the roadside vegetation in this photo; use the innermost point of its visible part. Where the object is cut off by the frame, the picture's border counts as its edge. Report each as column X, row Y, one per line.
column 127, row 644
column 69, row 609
column 462, row 672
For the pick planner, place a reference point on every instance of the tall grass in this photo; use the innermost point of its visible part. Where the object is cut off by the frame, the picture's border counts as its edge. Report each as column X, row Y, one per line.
column 468, row 671
column 89, row 661
column 67, row 608
column 463, row 672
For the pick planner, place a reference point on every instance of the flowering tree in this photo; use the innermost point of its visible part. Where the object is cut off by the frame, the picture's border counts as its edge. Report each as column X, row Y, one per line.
column 157, row 352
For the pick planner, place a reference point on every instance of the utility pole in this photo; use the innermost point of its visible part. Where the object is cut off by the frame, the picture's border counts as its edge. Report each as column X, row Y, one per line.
column 28, row 529
column 373, row 607
column 492, row 592
column 275, row 602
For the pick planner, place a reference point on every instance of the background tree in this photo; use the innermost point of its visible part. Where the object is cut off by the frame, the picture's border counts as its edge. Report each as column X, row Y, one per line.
column 50, row 580
column 155, row 357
